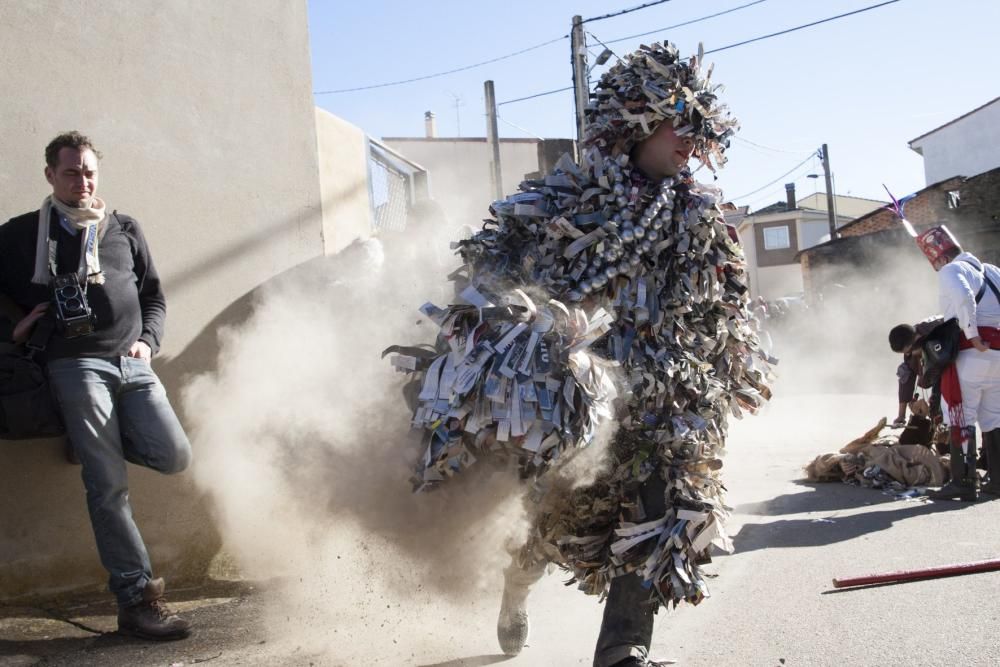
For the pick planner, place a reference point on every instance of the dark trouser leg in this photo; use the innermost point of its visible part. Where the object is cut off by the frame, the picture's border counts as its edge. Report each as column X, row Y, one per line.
column 991, row 445
column 964, row 478
column 627, row 626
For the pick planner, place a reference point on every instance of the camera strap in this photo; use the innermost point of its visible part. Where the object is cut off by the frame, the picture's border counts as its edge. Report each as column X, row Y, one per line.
column 40, row 335
column 53, row 246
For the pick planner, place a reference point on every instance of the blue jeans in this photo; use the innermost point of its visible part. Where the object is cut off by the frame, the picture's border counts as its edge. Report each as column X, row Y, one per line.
column 116, row 410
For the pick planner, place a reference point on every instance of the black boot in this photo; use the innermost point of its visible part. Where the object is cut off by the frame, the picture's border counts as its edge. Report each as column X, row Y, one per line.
column 963, row 470
column 991, row 445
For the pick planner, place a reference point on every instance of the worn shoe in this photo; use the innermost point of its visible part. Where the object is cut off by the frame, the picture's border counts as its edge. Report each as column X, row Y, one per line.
column 151, row 618
column 633, row 661
column 512, row 625
column 955, row 491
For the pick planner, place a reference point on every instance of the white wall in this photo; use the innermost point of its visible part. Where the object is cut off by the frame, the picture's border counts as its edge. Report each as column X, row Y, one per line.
column 204, row 113
column 459, row 171
column 343, row 180
column 965, row 147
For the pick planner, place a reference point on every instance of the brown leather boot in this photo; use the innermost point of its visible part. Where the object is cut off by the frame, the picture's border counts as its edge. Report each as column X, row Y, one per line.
column 151, row 618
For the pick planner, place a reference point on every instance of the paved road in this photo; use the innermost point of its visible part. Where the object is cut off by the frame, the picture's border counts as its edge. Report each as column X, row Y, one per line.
column 772, row 601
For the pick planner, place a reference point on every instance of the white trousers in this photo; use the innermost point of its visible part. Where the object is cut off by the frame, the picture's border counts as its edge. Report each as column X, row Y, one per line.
column 979, row 376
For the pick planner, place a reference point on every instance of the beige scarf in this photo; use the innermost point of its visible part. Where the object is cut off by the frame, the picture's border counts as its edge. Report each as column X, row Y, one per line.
column 88, row 221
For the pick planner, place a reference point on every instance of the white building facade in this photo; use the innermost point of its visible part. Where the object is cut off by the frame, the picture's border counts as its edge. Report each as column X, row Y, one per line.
column 966, row 146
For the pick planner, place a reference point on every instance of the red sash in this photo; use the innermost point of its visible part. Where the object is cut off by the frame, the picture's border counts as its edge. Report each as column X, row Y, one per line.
column 951, row 388
column 989, row 335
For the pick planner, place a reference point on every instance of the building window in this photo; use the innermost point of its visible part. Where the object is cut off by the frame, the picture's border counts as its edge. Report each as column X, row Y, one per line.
column 954, row 197
column 776, row 238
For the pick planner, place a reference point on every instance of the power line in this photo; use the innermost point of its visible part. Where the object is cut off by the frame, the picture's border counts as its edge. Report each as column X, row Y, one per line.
column 518, row 127
column 624, row 11
column 755, row 39
column 800, row 27
column 770, row 193
column 437, row 74
column 531, row 97
column 679, row 25
column 763, row 187
column 744, row 140
column 605, row 45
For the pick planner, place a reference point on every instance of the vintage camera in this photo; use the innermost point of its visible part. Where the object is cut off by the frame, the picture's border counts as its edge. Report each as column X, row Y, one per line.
column 73, row 315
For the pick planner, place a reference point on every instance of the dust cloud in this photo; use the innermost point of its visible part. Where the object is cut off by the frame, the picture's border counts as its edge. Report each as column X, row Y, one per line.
column 304, row 446
column 839, row 344
column 836, row 375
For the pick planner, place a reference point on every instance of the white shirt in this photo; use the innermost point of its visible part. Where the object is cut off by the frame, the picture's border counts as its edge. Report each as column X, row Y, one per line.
column 959, row 281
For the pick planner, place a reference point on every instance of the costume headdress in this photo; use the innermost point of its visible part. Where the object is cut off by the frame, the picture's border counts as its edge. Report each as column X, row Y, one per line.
column 653, row 85
column 937, row 242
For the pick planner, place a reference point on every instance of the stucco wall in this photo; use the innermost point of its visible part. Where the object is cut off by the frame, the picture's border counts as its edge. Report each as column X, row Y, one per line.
column 459, row 171
column 343, row 181
column 204, row 114
column 965, row 147
column 846, row 206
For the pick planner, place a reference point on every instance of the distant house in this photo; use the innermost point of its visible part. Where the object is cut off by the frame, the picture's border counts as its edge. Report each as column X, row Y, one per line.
column 460, row 172
column 970, row 207
column 965, row 146
column 962, row 169
column 773, row 236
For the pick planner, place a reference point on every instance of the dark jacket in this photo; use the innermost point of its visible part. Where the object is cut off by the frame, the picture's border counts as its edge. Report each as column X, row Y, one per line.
column 129, row 306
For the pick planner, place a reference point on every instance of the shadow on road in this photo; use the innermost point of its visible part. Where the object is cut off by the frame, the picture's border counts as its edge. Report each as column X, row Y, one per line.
column 816, row 497
column 811, row 533
column 473, row 661
column 51, row 647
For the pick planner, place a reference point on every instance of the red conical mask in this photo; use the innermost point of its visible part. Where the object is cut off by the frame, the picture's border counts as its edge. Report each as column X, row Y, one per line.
column 936, row 242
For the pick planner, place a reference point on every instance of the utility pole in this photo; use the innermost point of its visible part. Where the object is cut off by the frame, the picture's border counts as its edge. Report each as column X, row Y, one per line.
column 581, row 87
column 458, row 114
column 831, row 211
column 493, row 139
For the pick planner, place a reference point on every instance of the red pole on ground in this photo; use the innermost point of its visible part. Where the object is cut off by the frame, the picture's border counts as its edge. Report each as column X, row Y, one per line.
column 926, row 573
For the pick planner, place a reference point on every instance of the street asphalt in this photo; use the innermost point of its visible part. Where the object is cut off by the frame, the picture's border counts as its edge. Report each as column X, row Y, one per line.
column 772, row 604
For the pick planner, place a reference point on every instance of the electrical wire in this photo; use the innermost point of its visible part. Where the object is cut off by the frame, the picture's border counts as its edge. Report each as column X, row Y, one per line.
column 518, row 127
column 743, row 140
column 753, row 192
column 773, row 194
column 624, row 11
column 680, row 25
column 800, row 27
column 730, row 46
column 531, row 97
column 604, row 44
column 437, row 74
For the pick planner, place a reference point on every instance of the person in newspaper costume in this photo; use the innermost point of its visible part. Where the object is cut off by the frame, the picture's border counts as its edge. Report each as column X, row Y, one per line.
column 609, row 291
column 969, row 292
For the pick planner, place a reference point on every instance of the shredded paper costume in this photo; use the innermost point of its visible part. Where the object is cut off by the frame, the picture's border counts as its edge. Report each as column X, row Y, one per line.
column 597, row 296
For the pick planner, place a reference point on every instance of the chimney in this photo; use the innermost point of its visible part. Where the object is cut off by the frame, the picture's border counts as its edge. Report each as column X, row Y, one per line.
column 430, row 128
column 790, row 197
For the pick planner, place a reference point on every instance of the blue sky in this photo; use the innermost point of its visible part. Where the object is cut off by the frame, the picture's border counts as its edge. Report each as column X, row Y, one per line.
column 865, row 84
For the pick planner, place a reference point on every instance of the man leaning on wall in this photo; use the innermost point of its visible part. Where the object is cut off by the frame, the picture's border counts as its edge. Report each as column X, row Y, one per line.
column 114, row 407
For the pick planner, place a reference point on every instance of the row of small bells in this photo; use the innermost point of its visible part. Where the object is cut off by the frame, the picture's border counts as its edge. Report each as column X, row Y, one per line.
column 628, row 239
